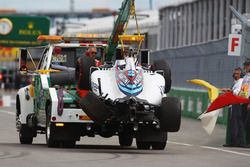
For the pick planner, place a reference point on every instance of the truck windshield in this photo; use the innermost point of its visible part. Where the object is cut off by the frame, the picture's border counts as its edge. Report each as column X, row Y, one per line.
column 68, row 56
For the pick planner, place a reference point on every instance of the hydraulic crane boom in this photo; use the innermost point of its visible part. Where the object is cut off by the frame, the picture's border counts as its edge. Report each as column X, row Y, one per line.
column 127, row 9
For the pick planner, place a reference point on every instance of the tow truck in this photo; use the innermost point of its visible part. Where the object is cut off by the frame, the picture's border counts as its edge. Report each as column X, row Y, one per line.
column 127, row 96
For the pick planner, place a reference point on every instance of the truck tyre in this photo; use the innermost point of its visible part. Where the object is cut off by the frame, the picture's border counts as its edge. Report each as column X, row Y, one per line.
column 142, row 145
column 158, row 145
column 85, row 64
column 51, row 143
column 25, row 134
column 163, row 65
column 94, row 108
column 170, row 114
column 125, row 138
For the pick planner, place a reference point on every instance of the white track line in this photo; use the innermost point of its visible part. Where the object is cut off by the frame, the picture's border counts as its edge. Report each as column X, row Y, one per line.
column 226, row 151
column 211, row 148
column 7, row 112
column 182, row 144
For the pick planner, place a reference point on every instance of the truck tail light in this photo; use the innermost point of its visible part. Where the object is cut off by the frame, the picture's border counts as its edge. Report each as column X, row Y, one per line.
column 84, row 118
column 59, row 124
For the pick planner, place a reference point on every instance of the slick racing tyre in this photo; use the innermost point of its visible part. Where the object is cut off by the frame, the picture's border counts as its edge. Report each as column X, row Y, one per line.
column 85, row 64
column 94, row 108
column 170, row 114
column 163, row 65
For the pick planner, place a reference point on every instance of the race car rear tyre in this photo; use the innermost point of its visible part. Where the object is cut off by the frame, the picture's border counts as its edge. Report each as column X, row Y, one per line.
column 94, row 108
column 125, row 140
column 158, row 145
column 170, row 114
column 25, row 134
column 51, row 143
column 163, row 65
column 86, row 64
column 142, row 145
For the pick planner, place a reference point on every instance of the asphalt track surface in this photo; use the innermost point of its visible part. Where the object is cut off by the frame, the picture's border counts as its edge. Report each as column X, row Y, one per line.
column 189, row 147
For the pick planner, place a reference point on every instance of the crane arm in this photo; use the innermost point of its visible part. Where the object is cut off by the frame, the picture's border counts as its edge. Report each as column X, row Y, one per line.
column 125, row 11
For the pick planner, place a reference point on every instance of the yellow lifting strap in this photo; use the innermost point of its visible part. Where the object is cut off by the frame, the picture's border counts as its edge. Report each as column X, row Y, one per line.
column 132, row 14
column 131, row 39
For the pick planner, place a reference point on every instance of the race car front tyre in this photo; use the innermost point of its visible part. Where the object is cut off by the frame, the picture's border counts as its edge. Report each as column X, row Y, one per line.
column 25, row 134
column 170, row 114
column 163, row 65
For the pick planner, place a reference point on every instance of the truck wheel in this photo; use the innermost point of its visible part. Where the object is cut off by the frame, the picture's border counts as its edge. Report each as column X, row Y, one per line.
column 25, row 134
column 51, row 143
column 170, row 114
column 158, row 145
column 125, row 139
column 163, row 65
column 94, row 108
column 142, row 145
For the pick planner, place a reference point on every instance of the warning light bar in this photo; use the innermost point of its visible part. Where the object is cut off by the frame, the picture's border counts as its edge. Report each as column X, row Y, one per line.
column 48, row 38
column 131, row 38
column 88, row 38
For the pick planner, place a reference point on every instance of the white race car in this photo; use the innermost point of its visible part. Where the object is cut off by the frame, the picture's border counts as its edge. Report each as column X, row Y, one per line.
column 129, row 100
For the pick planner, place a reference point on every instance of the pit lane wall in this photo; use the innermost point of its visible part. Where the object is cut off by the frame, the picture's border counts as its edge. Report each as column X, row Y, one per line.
column 207, row 61
column 195, row 102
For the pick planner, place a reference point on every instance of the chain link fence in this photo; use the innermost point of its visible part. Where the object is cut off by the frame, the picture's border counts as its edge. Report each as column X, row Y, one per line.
column 208, row 61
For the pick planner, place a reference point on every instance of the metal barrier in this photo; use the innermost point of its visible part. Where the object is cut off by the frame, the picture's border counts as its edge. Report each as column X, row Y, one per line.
column 195, row 102
column 208, row 61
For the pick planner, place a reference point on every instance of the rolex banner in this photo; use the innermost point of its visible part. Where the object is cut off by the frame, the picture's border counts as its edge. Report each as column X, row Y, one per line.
column 22, row 31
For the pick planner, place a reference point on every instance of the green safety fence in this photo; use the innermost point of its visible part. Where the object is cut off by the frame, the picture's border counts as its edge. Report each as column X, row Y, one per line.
column 195, row 102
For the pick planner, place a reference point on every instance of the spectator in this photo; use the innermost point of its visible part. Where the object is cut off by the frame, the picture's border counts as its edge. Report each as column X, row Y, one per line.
column 245, row 91
column 235, row 129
